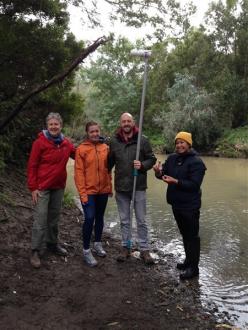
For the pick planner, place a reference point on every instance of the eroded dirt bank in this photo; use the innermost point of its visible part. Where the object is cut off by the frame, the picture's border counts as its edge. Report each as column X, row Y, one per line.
column 66, row 294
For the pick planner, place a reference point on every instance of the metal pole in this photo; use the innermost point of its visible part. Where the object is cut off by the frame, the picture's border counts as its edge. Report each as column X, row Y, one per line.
column 146, row 55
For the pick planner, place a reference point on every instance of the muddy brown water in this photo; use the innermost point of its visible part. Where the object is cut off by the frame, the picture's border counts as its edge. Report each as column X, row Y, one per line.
column 223, row 228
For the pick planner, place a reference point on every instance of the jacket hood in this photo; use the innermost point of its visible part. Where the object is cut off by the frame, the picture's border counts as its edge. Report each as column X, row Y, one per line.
column 120, row 135
column 87, row 142
column 40, row 134
column 190, row 153
column 181, row 158
column 56, row 140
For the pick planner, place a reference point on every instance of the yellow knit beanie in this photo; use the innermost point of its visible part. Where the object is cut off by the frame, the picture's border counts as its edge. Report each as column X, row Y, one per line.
column 184, row 136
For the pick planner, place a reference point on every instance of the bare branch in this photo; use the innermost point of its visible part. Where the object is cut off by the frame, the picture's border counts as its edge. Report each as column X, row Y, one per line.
column 54, row 80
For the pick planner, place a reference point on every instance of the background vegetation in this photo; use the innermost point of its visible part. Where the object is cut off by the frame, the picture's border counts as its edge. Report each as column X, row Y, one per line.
column 198, row 77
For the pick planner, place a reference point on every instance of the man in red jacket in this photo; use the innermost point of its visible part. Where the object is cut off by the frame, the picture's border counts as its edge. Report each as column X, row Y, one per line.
column 46, row 180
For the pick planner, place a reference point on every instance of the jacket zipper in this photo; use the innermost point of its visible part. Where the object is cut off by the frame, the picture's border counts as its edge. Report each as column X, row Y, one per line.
column 98, row 172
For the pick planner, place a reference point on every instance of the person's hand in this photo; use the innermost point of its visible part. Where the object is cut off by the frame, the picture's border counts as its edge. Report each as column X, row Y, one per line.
column 137, row 164
column 157, row 167
column 169, row 179
column 35, row 196
column 84, row 200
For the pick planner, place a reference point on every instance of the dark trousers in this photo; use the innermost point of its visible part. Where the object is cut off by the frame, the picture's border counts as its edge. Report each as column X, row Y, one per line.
column 188, row 224
column 94, row 214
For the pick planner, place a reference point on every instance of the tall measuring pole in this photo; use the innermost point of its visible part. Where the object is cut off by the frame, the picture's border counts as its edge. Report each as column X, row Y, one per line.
column 145, row 54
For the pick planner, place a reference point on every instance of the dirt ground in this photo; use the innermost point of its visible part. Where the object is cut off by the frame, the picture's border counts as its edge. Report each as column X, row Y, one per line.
column 66, row 294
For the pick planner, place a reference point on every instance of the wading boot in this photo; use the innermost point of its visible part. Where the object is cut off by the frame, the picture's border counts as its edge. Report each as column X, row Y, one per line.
column 186, row 263
column 189, row 273
column 145, row 255
column 193, row 257
column 124, row 254
column 182, row 265
column 35, row 259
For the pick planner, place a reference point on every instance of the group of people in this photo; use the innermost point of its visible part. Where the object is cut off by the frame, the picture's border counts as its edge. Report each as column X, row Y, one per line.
column 183, row 172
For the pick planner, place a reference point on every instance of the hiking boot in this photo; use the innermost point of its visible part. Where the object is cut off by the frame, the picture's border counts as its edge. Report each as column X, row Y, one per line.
column 42, row 252
column 97, row 247
column 35, row 259
column 57, row 249
column 124, row 254
column 189, row 273
column 89, row 259
column 145, row 255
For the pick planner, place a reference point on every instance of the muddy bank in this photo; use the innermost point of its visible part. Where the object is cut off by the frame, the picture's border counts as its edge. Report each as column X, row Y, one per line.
column 66, row 294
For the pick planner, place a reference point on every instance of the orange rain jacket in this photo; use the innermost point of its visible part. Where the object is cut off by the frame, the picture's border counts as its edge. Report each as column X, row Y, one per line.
column 91, row 170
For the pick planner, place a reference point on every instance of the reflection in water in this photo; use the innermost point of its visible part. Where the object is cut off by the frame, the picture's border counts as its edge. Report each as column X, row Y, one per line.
column 223, row 228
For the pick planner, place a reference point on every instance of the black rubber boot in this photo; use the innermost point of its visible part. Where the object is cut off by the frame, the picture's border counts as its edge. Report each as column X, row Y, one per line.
column 182, row 265
column 193, row 257
column 189, row 273
column 185, row 264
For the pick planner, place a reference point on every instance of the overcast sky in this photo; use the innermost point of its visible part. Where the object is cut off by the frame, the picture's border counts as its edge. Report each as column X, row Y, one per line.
column 83, row 33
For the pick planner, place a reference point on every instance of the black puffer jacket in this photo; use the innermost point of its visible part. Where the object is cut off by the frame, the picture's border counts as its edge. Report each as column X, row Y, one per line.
column 189, row 169
column 122, row 156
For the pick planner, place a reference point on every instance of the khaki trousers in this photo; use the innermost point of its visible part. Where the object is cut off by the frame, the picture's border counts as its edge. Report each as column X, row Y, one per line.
column 46, row 218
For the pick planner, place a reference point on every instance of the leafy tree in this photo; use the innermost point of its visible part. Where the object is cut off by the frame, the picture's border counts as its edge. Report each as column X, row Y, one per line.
column 229, row 26
column 193, row 55
column 212, row 63
column 221, row 17
column 34, row 46
column 165, row 17
column 114, row 84
column 190, row 109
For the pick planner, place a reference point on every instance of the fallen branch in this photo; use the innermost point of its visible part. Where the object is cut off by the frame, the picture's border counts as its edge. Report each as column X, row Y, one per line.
column 54, row 80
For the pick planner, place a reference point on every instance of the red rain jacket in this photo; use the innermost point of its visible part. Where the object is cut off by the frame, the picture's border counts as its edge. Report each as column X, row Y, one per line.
column 47, row 163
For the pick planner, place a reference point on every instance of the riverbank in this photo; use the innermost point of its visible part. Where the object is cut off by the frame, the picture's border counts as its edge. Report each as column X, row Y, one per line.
column 232, row 144
column 66, row 294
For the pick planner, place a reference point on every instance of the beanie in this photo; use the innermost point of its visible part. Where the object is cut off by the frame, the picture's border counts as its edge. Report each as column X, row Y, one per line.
column 184, row 136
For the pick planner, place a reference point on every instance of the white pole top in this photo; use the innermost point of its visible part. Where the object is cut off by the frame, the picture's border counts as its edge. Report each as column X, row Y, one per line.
column 141, row 52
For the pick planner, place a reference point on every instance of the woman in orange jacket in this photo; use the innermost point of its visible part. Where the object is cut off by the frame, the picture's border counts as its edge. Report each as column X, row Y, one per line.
column 93, row 182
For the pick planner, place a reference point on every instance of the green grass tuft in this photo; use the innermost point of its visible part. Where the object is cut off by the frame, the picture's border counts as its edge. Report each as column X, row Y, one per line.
column 68, row 200
column 234, row 143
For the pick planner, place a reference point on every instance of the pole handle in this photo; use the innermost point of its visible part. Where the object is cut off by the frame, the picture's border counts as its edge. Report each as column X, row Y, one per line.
column 135, row 172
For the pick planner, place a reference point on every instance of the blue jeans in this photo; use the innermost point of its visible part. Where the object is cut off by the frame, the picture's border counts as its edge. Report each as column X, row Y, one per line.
column 93, row 213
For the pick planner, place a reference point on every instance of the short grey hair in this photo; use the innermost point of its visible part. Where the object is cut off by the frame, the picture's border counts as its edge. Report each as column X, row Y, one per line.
column 54, row 115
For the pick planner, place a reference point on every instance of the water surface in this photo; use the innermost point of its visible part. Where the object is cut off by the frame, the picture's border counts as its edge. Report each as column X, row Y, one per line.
column 223, row 229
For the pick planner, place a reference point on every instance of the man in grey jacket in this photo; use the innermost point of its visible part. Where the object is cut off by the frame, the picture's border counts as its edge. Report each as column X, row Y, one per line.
column 122, row 155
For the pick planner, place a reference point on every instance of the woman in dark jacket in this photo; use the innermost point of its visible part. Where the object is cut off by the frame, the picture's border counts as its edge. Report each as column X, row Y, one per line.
column 183, row 171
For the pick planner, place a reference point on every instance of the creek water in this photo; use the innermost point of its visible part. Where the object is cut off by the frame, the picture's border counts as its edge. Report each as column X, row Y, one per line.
column 223, row 229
